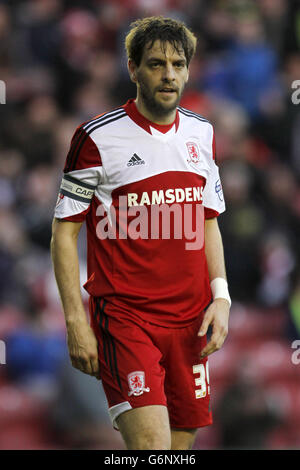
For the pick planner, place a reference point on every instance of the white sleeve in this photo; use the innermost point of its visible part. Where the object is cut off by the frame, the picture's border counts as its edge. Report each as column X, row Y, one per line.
column 82, row 174
column 76, row 192
column 213, row 198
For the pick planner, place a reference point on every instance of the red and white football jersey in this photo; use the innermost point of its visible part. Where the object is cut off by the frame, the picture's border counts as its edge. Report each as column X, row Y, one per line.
column 122, row 175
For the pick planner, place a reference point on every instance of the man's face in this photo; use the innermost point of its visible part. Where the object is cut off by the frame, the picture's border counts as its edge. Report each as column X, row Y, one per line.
column 160, row 78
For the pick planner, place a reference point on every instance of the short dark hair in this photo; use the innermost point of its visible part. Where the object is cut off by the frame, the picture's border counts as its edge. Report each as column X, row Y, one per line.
column 148, row 30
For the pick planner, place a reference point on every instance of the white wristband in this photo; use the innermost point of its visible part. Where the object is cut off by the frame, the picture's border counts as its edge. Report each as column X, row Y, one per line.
column 219, row 288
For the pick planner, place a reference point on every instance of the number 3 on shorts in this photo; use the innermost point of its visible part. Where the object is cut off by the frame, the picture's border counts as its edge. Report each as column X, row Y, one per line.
column 200, row 381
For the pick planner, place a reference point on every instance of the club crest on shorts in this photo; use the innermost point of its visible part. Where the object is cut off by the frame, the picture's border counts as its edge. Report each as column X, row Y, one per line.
column 194, row 154
column 136, row 382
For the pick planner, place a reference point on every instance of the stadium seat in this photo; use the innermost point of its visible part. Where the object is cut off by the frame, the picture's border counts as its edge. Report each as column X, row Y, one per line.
column 24, row 419
column 248, row 323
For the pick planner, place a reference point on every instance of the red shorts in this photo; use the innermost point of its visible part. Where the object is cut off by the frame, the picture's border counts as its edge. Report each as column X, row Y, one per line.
column 143, row 364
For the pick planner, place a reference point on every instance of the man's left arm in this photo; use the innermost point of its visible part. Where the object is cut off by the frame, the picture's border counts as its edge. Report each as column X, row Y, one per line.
column 217, row 314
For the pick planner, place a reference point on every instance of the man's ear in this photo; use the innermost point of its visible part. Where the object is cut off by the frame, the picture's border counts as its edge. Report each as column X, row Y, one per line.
column 132, row 70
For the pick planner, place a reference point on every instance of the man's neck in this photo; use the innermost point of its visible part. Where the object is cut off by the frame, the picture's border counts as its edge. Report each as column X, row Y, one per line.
column 161, row 120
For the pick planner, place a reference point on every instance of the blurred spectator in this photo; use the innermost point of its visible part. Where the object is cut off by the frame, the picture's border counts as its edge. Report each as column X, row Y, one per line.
column 38, row 34
column 13, row 244
column 34, row 357
column 241, row 228
column 38, row 199
column 246, row 71
column 280, row 197
column 277, row 263
column 274, row 14
column 5, row 35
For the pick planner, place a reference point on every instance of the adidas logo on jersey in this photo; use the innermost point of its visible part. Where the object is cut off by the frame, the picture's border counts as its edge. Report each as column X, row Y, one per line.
column 135, row 160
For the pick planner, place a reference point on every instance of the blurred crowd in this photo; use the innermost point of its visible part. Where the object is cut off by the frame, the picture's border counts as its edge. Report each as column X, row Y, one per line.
column 64, row 62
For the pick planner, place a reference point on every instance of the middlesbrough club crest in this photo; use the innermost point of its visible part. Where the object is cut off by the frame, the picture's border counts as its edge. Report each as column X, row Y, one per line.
column 136, row 382
column 194, row 155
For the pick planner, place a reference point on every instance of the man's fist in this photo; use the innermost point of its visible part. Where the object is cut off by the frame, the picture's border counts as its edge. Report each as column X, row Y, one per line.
column 83, row 348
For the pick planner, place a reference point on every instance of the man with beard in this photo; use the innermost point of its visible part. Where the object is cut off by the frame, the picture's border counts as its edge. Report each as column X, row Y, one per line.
column 129, row 174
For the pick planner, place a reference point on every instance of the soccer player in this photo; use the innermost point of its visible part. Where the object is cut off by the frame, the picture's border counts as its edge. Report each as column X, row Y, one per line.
column 144, row 179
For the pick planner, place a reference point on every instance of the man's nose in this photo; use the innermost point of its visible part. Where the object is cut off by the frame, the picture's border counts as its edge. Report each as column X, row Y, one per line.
column 169, row 74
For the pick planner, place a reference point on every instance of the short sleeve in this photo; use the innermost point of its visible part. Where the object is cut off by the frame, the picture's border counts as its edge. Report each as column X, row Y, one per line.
column 213, row 198
column 82, row 175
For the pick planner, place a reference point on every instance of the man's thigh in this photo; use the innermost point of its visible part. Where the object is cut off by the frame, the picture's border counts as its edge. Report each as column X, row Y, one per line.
column 145, row 428
column 131, row 373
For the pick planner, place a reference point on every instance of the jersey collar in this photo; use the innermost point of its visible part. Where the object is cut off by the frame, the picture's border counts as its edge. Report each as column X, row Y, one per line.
column 132, row 111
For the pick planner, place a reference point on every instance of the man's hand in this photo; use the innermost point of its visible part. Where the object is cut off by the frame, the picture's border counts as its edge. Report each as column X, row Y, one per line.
column 216, row 315
column 83, row 348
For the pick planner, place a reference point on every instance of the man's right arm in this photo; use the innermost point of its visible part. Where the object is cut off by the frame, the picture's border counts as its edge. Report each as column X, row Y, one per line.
column 82, row 343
